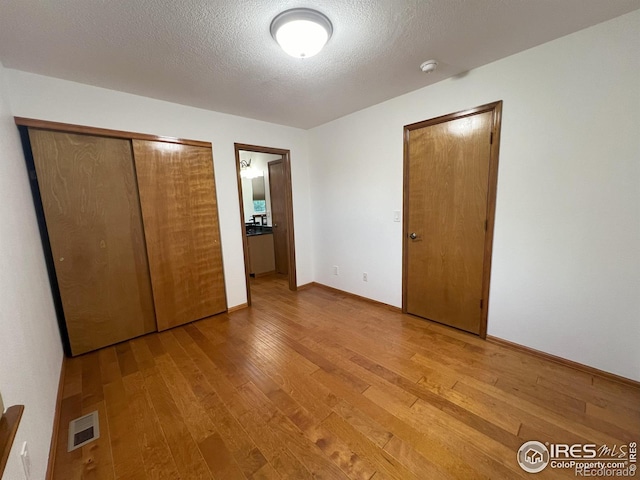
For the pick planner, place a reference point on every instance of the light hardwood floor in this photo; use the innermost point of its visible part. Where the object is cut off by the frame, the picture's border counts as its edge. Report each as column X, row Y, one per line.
column 319, row 384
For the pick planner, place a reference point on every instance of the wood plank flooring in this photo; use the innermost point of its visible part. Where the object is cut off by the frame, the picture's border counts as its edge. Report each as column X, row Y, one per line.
column 316, row 384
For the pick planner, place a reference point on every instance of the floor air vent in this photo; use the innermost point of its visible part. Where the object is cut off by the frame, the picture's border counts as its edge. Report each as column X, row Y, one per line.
column 83, row 430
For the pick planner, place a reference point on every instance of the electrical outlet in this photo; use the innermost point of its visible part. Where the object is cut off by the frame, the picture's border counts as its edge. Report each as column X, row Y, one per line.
column 26, row 461
column 1, row 405
column 335, row 270
column 396, row 215
column 365, row 277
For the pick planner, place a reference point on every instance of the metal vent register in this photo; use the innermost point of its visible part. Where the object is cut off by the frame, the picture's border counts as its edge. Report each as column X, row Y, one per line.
column 83, row 430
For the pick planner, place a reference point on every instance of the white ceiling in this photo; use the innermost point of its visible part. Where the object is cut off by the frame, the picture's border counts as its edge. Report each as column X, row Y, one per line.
column 219, row 55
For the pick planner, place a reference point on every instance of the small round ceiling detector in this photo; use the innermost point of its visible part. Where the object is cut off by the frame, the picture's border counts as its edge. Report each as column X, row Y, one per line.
column 429, row 66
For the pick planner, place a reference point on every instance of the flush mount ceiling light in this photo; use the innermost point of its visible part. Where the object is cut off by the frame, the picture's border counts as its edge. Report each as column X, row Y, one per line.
column 301, row 32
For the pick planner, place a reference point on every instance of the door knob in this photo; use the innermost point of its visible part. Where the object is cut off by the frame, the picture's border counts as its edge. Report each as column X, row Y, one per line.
column 413, row 236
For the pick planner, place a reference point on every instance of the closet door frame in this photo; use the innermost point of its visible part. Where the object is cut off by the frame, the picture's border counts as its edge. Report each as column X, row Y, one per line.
column 23, row 125
column 102, row 132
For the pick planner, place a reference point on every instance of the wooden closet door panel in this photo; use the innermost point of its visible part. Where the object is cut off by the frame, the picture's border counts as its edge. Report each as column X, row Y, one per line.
column 90, row 200
column 179, row 208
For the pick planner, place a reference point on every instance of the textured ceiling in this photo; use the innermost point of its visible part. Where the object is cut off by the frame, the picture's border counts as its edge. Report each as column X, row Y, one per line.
column 219, row 55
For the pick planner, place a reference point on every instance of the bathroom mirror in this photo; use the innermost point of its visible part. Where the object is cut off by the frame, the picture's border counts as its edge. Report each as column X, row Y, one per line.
column 256, row 199
column 259, row 197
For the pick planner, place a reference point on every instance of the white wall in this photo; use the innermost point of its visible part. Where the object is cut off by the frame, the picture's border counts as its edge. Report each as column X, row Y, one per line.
column 566, row 258
column 566, row 263
column 30, row 348
column 46, row 98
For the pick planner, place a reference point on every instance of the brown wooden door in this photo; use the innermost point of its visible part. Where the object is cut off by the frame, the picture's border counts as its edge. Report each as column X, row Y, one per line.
column 279, row 215
column 88, row 190
column 448, row 167
column 178, row 198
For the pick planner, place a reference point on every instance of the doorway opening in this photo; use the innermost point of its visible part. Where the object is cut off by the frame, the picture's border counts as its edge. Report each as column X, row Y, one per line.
column 266, row 213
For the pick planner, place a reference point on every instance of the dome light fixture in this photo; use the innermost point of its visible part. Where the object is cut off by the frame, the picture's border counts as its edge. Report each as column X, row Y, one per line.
column 301, row 32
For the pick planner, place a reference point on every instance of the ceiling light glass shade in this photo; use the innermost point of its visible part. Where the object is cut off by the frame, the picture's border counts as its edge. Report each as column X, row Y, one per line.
column 301, row 32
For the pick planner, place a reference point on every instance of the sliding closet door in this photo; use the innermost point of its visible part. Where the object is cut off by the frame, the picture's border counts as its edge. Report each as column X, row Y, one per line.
column 178, row 198
column 88, row 190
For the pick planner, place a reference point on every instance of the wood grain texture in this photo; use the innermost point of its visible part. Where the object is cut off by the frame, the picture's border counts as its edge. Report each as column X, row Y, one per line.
column 90, row 200
column 102, row 132
column 179, row 208
column 288, row 198
column 563, row 361
column 350, row 295
column 237, row 307
column 300, row 386
column 261, row 254
column 279, row 216
column 56, row 423
column 9, row 422
column 448, row 178
column 492, row 193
